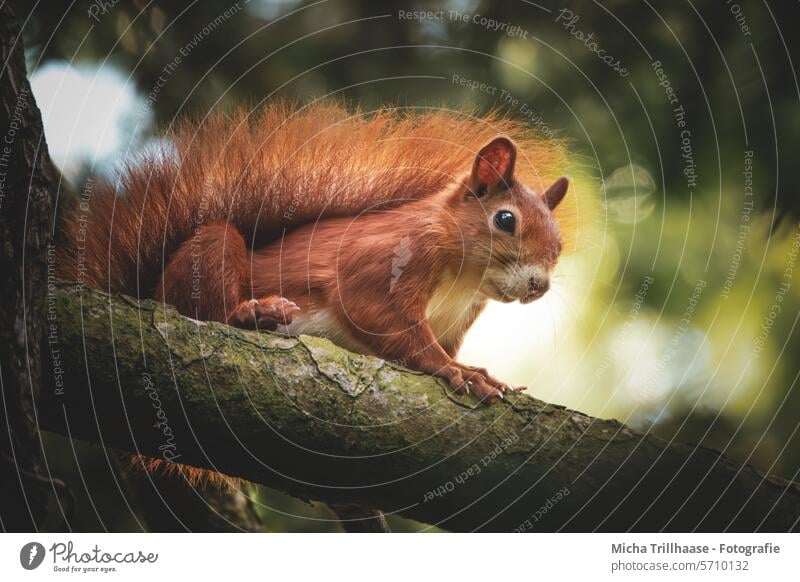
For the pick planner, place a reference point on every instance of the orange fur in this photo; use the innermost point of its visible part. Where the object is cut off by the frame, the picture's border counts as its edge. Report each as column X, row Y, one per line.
column 193, row 476
column 254, row 170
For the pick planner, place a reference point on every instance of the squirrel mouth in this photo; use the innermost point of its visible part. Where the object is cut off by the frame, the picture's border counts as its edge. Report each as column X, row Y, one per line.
column 497, row 293
column 531, row 297
column 502, row 296
column 494, row 292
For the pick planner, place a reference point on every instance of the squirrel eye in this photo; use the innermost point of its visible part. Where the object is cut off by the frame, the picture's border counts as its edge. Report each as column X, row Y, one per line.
column 505, row 221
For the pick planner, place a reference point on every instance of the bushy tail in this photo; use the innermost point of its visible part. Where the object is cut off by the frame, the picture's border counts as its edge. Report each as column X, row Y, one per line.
column 276, row 169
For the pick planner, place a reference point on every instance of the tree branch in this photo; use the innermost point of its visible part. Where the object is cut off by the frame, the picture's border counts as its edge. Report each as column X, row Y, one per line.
column 309, row 418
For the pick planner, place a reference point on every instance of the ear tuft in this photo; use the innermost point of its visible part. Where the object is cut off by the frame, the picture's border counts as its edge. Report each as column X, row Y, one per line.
column 556, row 192
column 494, row 164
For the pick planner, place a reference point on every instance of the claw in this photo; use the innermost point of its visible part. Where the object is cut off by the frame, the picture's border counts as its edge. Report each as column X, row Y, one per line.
column 485, row 386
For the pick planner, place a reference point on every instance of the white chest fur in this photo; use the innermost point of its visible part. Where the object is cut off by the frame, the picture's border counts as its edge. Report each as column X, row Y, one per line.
column 452, row 307
column 324, row 324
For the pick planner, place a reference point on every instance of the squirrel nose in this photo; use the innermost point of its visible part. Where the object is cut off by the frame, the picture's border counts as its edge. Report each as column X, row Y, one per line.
column 538, row 287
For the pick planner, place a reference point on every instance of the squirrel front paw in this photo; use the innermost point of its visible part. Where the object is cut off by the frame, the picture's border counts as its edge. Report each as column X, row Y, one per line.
column 470, row 379
column 263, row 314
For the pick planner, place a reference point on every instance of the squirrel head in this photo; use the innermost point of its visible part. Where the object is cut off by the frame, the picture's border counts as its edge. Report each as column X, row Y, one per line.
column 508, row 230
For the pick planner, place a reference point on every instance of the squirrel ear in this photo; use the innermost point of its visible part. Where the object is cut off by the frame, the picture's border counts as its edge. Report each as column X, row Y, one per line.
column 493, row 165
column 556, row 192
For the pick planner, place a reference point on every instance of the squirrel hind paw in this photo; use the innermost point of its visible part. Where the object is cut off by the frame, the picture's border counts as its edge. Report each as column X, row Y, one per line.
column 263, row 314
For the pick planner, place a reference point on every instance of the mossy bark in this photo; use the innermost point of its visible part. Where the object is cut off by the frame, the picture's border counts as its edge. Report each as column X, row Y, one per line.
column 309, row 418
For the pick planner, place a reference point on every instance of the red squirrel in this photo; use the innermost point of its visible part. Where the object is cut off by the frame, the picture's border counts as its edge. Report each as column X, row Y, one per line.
column 387, row 233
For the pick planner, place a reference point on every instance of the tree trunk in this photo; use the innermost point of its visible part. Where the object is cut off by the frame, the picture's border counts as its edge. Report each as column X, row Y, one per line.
column 309, row 418
column 27, row 189
column 29, row 345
